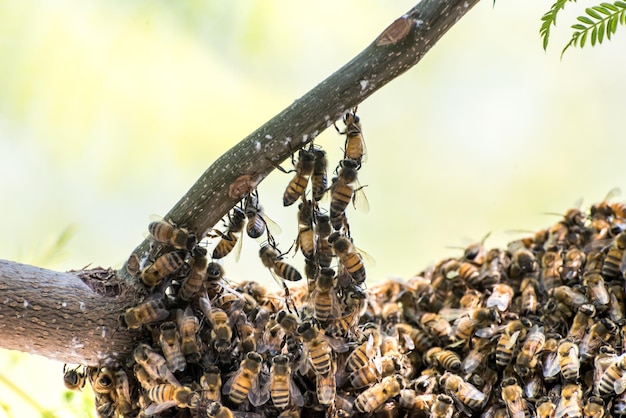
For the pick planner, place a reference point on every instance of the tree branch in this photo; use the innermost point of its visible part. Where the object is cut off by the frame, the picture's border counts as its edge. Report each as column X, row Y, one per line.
column 243, row 167
column 73, row 317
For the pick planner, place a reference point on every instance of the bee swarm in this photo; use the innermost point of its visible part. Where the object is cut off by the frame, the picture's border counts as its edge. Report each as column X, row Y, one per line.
column 536, row 329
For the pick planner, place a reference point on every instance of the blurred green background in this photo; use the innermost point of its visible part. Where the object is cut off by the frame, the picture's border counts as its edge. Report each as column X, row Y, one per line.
column 109, row 111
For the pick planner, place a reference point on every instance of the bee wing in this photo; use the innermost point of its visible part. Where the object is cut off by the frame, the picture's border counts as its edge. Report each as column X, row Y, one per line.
column 272, row 226
column 516, row 408
column 454, row 314
column 552, row 365
column 620, row 385
column 258, row 394
column 228, row 385
column 155, row 408
column 359, row 200
column 336, row 344
column 295, row 394
column 487, row 332
column 238, row 245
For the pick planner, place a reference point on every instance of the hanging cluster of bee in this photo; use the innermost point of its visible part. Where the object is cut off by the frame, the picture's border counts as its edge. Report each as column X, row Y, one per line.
column 533, row 330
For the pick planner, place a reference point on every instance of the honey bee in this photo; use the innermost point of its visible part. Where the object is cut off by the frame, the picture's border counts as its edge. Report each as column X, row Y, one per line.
column 414, row 338
column 319, row 179
column 613, row 264
column 74, row 379
column 552, row 265
column 306, row 235
column 465, row 325
column 500, row 297
column 324, row 298
column 214, row 276
column 368, row 374
column 148, row 312
column 443, row 407
column 279, row 269
column 599, row 333
column 594, row 408
column 164, row 266
column 122, row 393
column 105, row 405
column 527, row 357
column 355, row 145
column 598, row 294
column 573, row 264
column 217, row 410
column 581, row 321
column 512, row 397
column 283, row 389
column 569, row 362
column 545, row 408
column 343, row 190
column 449, row 360
column 523, row 263
column 570, row 404
column 318, row 351
column 169, row 339
column 244, row 384
column 166, row 396
column 193, row 283
column 165, row 232
column 326, row 387
column 514, row 331
column 477, row 356
column 349, row 258
column 230, row 239
column 221, row 332
column 211, row 383
column 188, row 326
column 529, row 301
column 613, row 380
column 466, row 395
column 297, row 186
column 619, row 405
column 154, row 364
column 570, row 297
column 368, row 350
column 376, row 395
column 101, row 379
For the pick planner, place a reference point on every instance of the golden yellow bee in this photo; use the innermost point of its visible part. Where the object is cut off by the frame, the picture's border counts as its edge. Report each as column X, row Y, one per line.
column 527, row 357
column 101, row 379
column 231, row 238
column 594, row 408
column 211, row 383
column 122, row 393
column 570, row 404
column 244, row 384
column 217, row 410
column 573, row 264
column 297, row 186
column 325, row 302
column 166, row 396
column 165, row 232
column 221, row 332
column 501, row 297
column 443, row 407
column 514, row 331
column 343, row 190
column 568, row 360
column 74, row 379
column 349, row 258
column 164, row 266
column 148, row 312
column 468, row 396
column 193, row 283
column 317, row 350
column 283, row 389
column 545, row 408
column 613, row 379
column 512, row 397
column 613, row 264
column 447, row 359
column 354, row 147
column 169, row 339
column 552, row 267
column 414, row 338
column 324, row 251
column 188, row 326
column 306, row 235
column 326, row 387
column 154, row 364
column 376, row 395
column 280, row 270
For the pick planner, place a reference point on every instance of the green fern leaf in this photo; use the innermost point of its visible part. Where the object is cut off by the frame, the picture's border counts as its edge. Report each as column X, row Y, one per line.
column 609, row 6
column 601, row 29
column 593, row 13
column 585, row 19
column 600, row 21
column 549, row 19
column 583, row 39
column 594, row 35
column 602, row 10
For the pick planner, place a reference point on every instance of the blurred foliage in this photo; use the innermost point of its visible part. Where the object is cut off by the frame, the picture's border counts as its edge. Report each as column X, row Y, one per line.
column 599, row 21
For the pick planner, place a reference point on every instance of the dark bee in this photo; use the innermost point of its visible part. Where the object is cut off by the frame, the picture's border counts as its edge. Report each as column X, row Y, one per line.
column 354, row 147
column 230, row 238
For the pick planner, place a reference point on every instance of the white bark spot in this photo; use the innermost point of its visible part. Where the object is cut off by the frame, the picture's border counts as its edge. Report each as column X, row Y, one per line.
column 81, row 306
column 257, row 146
column 419, row 22
column 26, row 304
column 63, row 304
column 268, row 136
column 364, row 84
column 305, row 137
column 76, row 343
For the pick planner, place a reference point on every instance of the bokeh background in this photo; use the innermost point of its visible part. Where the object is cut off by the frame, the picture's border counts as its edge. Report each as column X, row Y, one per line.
column 109, row 111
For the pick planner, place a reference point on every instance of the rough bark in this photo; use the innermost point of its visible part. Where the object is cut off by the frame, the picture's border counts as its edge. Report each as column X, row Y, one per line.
column 57, row 315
